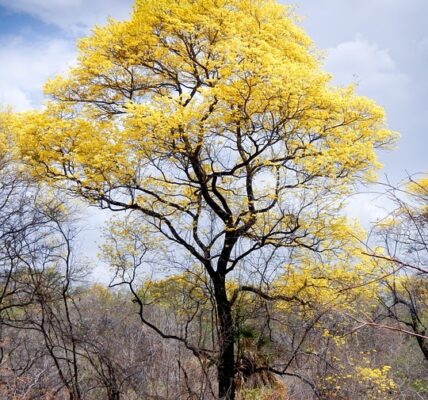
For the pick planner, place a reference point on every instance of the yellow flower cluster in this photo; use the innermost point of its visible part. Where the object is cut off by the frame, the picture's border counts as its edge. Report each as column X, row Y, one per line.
column 206, row 78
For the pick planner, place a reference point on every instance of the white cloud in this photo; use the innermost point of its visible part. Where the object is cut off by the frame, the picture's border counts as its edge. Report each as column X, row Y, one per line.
column 422, row 44
column 368, row 207
column 368, row 65
column 76, row 16
column 26, row 66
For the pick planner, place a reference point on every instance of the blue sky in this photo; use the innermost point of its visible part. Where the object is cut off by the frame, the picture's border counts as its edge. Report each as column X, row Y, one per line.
column 382, row 45
column 13, row 23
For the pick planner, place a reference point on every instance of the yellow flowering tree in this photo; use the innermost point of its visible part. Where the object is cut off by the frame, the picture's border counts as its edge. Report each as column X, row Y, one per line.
column 213, row 122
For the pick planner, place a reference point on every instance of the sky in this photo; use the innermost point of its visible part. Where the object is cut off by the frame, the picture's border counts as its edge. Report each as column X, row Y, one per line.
column 381, row 45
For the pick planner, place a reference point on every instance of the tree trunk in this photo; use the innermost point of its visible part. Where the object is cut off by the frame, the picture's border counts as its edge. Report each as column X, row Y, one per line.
column 226, row 361
column 113, row 394
column 423, row 343
column 419, row 329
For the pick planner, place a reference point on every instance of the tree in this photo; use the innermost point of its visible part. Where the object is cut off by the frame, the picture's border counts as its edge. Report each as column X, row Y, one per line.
column 36, row 276
column 212, row 122
column 403, row 236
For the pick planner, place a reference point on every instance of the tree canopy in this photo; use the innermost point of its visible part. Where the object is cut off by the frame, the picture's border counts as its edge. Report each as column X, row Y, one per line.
column 214, row 123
